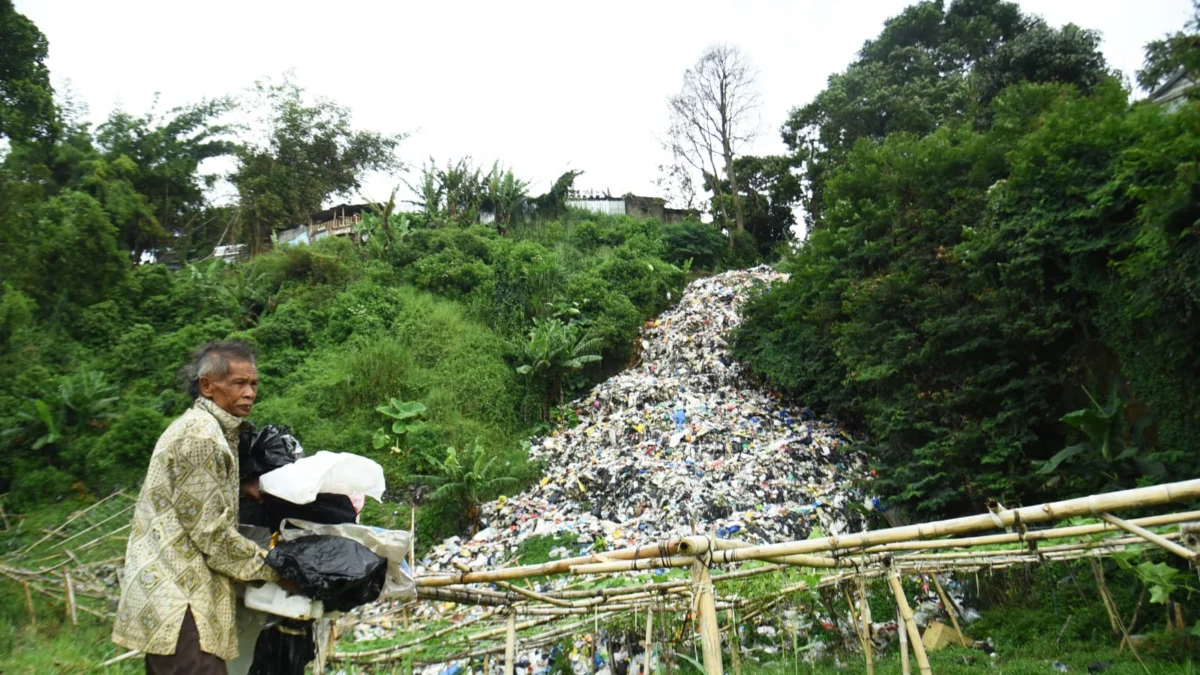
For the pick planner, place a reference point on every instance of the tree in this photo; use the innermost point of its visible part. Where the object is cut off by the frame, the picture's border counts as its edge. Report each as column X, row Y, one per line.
column 713, row 115
column 554, row 202
column 158, row 160
column 310, row 153
column 768, row 191
column 505, row 195
column 1173, row 53
column 27, row 110
column 932, row 65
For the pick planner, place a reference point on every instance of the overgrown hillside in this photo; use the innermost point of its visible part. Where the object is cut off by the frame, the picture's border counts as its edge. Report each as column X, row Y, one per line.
column 446, row 318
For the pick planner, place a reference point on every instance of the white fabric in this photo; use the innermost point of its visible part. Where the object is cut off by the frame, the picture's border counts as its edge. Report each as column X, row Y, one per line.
column 341, row 473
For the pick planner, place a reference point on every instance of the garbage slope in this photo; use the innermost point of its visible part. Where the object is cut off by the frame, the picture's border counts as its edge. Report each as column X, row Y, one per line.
column 679, row 441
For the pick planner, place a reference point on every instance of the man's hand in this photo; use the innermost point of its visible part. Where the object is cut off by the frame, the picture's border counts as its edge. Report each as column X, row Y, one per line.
column 251, row 489
column 289, row 586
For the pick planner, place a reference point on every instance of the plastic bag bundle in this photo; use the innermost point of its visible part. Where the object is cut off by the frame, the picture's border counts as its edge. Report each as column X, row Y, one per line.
column 284, row 649
column 266, row 449
column 391, row 544
column 271, row 511
column 339, row 572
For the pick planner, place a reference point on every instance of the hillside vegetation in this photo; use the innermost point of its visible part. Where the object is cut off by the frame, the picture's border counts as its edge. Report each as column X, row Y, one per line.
column 1001, row 285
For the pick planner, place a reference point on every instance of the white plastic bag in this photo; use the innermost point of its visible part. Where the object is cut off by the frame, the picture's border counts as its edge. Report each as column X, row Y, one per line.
column 341, row 473
column 390, row 544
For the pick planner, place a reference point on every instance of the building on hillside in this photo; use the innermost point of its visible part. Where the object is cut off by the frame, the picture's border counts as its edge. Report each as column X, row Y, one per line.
column 230, row 253
column 338, row 221
column 1172, row 93
column 654, row 208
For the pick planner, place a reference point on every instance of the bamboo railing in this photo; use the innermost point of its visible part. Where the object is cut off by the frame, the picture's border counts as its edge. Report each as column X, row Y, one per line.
column 59, row 566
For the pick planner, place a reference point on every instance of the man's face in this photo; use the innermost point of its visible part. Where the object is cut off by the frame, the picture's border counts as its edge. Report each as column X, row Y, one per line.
column 235, row 391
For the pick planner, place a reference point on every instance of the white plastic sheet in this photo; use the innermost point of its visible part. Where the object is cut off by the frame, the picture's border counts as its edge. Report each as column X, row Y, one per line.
column 341, row 473
column 390, row 544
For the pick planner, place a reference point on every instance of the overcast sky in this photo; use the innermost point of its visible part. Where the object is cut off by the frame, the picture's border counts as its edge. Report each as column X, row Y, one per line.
column 541, row 86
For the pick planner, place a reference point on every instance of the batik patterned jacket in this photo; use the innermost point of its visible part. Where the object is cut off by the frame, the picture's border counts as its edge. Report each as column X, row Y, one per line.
column 184, row 548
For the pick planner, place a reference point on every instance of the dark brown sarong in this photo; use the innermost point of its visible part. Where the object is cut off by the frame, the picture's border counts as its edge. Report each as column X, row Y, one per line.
column 187, row 659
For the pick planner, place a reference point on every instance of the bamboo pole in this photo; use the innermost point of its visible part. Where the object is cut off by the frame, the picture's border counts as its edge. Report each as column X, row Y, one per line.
column 735, row 644
column 69, row 598
column 510, row 646
column 1151, row 537
column 666, row 548
column 1034, row 535
column 29, row 604
column 866, row 624
column 863, row 639
column 905, row 668
column 1113, row 620
column 532, row 595
column 649, row 639
column 1139, row 497
column 640, row 564
column 706, row 613
column 1103, row 586
column 123, row 657
column 909, row 622
column 949, row 608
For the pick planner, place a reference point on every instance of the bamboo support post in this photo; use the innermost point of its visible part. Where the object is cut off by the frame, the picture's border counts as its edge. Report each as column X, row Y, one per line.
column 69, row 599
column 29, row 604
column 909, row 622
column 1115, row 615
column 1149, row 536
column 864, row 640
column 649, row 639
column 1137, row 609
column 902, row 630
column 1113, row 620
column 706, row 613
column 510, row 646
column 735, row 644
column 865, row 608
column 950, row 608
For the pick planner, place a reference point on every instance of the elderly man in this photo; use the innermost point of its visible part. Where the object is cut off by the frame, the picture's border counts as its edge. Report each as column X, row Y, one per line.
column 184, row 552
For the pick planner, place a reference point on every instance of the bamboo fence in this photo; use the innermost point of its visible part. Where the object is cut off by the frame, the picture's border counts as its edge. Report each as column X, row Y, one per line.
column 65, row 566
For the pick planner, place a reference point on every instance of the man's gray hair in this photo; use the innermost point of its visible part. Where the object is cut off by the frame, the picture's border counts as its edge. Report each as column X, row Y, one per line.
column 212, row 360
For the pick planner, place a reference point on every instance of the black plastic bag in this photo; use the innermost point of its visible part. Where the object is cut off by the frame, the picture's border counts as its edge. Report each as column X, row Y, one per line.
column 266, row 449
column 327, row 509
column 284, row 649
column 339, row 572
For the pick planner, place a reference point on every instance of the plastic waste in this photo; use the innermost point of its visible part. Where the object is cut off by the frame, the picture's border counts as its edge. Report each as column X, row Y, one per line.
column 271, row 511
column 393, row 545
column 284, row 649
column 339, row 572
column 266, row 449
column 340, row 473
column 272, row 599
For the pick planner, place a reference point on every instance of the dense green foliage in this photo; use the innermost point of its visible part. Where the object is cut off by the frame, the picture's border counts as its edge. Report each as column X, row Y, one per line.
column 445, row 331
column 931, row 65
column 88, row 381
column 964, row 287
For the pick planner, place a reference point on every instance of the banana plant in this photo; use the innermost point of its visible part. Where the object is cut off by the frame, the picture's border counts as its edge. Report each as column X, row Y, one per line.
column 465, row 478
column 555, row 348
column 405, row 416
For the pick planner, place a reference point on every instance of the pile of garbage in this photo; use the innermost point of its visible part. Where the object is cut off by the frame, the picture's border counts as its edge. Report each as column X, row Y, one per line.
column 678, row 444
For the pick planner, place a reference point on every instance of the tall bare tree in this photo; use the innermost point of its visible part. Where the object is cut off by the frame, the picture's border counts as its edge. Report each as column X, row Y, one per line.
column 714, row 113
